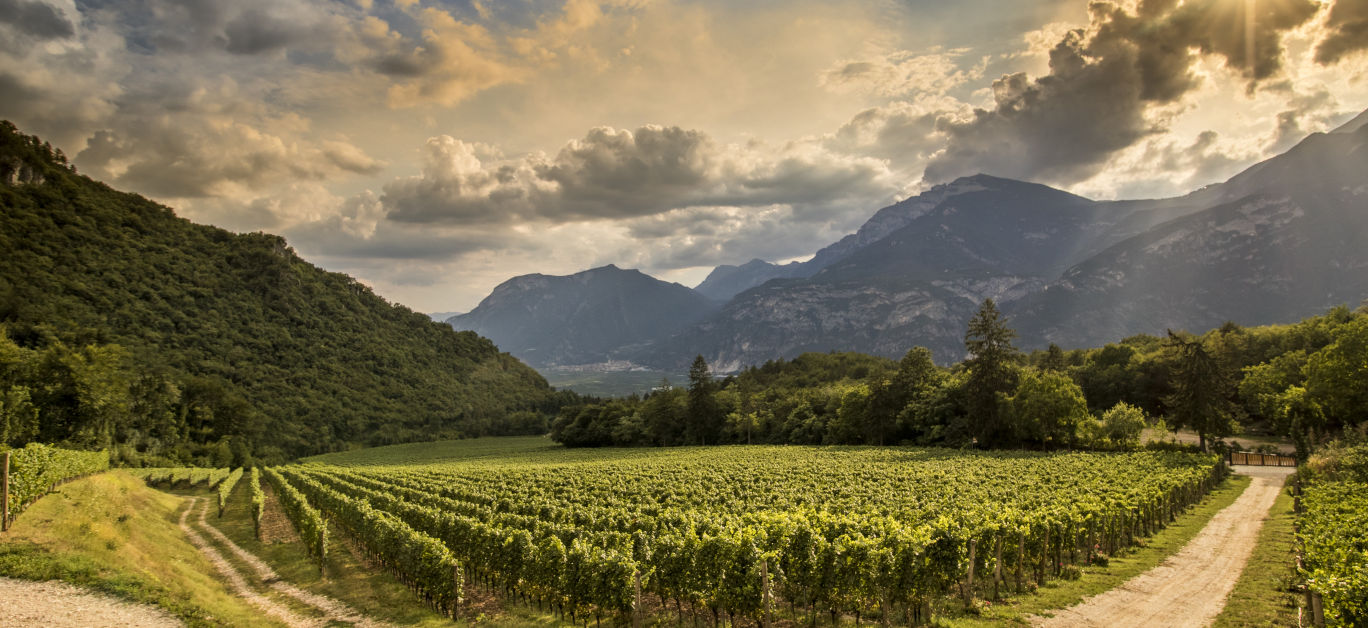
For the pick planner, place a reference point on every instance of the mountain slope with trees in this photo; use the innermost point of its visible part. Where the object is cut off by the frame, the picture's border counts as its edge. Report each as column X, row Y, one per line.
column 127, row 326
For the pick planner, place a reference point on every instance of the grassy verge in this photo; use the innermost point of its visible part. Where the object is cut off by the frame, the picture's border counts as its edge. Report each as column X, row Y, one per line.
column 1261, row 596
column 1064, row 593
column 110, row 533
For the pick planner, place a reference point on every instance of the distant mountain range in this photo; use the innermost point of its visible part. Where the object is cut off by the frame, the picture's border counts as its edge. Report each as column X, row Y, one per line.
column 1284, row 239
column 590, row 317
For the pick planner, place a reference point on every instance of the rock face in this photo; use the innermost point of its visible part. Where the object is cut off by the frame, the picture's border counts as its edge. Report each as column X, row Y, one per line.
column 586, row 318
column 1285, row 239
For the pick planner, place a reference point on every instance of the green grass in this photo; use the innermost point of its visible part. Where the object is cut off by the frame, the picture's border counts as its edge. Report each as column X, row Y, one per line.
column 609, row 384
column 110, row 533
column 1262, row 596
column 1058, row 594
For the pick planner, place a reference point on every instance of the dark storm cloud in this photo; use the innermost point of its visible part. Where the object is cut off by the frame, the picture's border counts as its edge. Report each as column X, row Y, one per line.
column 1347, row 31
column 36, row 19
column 1062, row 127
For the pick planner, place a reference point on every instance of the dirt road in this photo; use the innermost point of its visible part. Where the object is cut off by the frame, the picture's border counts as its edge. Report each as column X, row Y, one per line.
column 1189, row 589
column 59, row 604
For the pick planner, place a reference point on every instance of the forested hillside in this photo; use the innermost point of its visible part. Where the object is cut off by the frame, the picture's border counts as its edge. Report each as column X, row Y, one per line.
column 123, row 325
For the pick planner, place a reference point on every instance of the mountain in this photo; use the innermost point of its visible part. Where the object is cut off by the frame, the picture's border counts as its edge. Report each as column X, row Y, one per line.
column 916, row 272
column 589, row 317
column 442, row 316
column 726, row 281
column 1293, row 238
column 1276, row 243
column 246, row 342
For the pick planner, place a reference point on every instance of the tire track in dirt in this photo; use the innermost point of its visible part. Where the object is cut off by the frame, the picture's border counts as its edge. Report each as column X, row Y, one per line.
column 234, row 578
column 333, row 609
column 1188, row 589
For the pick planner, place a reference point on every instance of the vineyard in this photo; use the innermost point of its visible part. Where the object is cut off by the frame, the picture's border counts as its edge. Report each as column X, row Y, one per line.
column 1333, row 534
column 32, row 471
column 749, row 534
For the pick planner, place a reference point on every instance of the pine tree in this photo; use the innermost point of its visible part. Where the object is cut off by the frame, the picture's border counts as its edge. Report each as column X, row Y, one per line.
column 992, row 374
column 1202, row 390
column 705, row 416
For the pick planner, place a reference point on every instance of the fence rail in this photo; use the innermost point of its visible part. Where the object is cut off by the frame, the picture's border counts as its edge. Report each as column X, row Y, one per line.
column 1262, row 460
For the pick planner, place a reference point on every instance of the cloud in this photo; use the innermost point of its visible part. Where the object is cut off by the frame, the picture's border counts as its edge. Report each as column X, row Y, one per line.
column 618, row 173
column 242, row 27
column 1346, row 29
column 1105, row 80
column 902, row 73
column 453, row 61
column 36, row 19
column 201, row 156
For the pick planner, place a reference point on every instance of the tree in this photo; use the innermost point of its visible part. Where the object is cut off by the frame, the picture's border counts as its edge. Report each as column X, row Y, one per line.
column 1054, row 359
column 1337, row 376
column 917, row 375
column 665, row 413
column 992, row 374
column 1049, row 408
column 705, row 415
column 1202, row 390
column 1121, row 425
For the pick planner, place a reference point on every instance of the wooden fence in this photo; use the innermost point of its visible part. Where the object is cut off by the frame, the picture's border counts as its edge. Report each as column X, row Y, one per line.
column 1262, row 460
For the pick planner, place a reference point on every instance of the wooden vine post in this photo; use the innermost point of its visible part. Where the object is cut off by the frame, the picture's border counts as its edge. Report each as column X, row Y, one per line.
column 636, row 602
column 4, row 489
column 766, row 596
column 458, row 586
column 969, row 590
column 997, row 567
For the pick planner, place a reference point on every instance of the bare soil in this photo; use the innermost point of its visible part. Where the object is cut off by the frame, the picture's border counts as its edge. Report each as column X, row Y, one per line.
column 1190, row 588
column 275, row 524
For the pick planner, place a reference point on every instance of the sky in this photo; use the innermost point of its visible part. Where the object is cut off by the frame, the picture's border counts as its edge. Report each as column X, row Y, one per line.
column 434, row 149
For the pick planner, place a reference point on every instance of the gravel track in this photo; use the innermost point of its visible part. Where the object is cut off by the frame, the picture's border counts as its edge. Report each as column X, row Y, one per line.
column 1189, row 589
column 61, row 605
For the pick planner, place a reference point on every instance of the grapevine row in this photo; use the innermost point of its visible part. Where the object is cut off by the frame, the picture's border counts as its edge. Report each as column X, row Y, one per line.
column 225, row 488
column 888, row 560
column 36, row 469
column 420, row 561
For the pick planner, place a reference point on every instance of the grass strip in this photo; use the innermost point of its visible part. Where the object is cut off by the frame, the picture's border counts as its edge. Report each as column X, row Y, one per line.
column 1263, row 595
column 1151, row 551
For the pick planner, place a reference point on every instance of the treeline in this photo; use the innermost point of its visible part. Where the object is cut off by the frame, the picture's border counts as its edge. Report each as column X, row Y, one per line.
column 173, row 343
column 1307, row 381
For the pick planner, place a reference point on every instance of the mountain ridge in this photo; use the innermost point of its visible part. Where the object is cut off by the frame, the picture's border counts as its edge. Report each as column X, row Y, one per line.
column 917, row 269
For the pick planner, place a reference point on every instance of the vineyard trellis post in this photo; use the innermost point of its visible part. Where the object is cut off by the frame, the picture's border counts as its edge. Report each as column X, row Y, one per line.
column 636, row 603
column 458, row 586
column 765, row 595
column 997, row 568
column 969, row 590
column 4, row 490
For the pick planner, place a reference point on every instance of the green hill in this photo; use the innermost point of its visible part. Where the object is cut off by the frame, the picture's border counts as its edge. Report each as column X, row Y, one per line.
column 125, row 325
